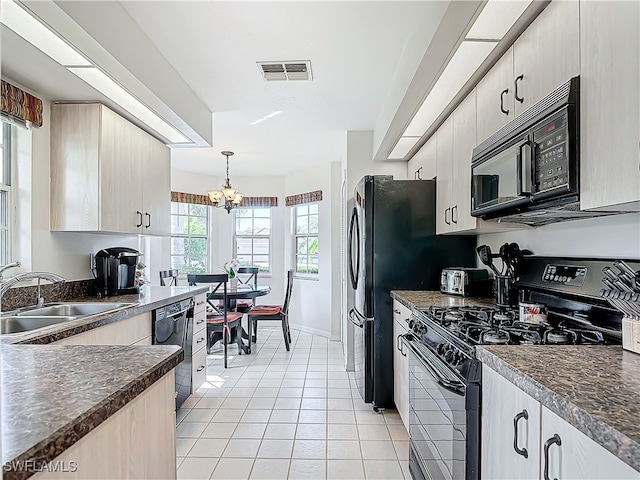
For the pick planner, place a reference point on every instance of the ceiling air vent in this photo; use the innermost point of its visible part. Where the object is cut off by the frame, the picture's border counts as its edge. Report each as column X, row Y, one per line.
column 272, row 71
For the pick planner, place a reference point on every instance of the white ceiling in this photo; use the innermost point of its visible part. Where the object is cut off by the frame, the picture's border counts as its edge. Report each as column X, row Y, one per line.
column 355, row 49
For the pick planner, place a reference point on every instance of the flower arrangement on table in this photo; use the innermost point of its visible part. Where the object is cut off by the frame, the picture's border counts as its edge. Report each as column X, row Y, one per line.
column 231, row 267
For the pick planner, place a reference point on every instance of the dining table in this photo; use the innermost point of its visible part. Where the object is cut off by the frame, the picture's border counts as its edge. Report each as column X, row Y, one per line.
column 242, row 291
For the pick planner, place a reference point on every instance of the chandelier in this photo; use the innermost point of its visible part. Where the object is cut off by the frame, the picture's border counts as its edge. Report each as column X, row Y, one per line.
column 230, row 195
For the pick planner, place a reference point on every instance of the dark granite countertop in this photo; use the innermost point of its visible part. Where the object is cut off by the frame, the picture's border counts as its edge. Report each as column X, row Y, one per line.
column 426, row 298
column 150, row 298
column 594, row 388
column 51, row 399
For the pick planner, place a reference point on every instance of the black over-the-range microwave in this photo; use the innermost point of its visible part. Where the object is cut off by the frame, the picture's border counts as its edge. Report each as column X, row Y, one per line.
column 533, row 162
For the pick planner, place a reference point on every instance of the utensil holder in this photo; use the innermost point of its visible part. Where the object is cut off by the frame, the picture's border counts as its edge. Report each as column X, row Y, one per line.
column 631, row 334
column 629, row 304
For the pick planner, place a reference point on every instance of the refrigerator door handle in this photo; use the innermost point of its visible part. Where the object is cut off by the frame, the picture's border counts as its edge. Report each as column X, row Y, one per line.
column 354, row 227
column 357, row 319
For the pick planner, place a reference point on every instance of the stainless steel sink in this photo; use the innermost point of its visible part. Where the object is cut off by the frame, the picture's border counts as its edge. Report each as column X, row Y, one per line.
column 79, row 309
column 34, row 318
column 25, row 323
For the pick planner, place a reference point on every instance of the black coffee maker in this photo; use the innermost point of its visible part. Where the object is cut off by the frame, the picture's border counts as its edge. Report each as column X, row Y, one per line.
column 116, row 271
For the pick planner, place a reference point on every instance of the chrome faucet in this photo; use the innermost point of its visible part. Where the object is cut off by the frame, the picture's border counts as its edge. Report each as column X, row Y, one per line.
column 21, row 277
column 8, row 266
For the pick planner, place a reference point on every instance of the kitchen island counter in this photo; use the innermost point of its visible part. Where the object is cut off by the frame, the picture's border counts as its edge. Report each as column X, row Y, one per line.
column 594, row 388
column 51, row 399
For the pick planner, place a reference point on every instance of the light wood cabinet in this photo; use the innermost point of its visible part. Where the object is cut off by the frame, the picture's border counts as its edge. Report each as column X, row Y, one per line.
column 576, row 456
column 199, row 359
column 610, row 105
column 129, row 331
column 136, row 442
column 544, row 57
column 445, row 180
column 422, row 165
column 107, row 175
column 401, row 315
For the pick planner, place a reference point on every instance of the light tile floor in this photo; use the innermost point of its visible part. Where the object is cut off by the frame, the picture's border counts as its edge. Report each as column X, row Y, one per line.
column 276, row 414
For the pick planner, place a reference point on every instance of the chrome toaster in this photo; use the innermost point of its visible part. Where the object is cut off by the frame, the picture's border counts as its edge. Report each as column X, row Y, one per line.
column 466, row 281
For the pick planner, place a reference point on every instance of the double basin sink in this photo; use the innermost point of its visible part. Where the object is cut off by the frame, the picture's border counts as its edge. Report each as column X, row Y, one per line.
column 34, row 318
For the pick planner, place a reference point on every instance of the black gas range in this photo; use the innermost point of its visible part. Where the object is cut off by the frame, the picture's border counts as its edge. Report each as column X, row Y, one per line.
column 445, row 376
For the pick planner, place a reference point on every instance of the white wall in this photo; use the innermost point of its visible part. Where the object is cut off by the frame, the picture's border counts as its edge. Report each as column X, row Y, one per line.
column 315, row 303
column 616, row 236
column 64, row 253
column 222, row 224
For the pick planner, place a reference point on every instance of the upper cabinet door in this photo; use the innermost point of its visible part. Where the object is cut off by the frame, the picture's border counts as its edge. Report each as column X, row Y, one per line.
column 495, row 97
column 464, row 139
column 444, row 161
column 547, row 54
column 156, row 181
column 610, row 105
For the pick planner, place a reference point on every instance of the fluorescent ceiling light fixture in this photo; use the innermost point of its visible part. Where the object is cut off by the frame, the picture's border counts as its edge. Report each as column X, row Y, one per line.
column 271, row 115
column 496, row 18
column 402, row 147
column 37, row 34
column 260, row 120
column 462, row 65
column 105, row 85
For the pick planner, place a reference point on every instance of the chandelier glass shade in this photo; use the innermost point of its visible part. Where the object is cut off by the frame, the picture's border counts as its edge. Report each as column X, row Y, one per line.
column 230, row 195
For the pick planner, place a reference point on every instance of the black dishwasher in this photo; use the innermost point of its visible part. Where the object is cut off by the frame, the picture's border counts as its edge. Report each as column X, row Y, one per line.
column 172, row 326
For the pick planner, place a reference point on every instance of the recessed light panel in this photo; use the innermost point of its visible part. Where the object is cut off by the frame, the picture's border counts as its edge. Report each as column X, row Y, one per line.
column 497, row 17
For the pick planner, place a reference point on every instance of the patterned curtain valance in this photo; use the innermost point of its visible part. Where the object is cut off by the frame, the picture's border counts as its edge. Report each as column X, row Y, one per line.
column 190, row 198
column 20, row 104
column 259, row 202
column 303, row 198
column 204, row 200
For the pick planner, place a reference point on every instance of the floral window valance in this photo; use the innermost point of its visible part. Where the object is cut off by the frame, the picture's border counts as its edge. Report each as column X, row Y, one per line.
column 20, row 104
column 204, row 200
column 308, row 197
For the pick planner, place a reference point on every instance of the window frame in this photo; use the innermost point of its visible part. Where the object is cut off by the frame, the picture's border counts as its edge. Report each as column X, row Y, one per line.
column 253, row 236
column 6, row 207
column 207, row 237
column 307, row 235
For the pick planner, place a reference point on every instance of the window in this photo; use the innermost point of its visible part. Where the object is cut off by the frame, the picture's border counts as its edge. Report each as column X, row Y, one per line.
column 306, row 232
column 189, row 237
column 253, row 237
column 5, row 194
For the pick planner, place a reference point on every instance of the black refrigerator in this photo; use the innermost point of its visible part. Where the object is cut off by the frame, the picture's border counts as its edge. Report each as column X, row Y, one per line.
column 392, row 246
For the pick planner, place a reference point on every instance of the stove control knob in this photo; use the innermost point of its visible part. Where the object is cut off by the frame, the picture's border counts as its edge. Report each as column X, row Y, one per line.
column 449, row 356
column 411, row 324
column 442, row 348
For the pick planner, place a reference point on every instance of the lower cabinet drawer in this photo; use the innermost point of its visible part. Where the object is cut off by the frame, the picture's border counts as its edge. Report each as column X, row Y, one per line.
column 199, row 322
column 199, row 367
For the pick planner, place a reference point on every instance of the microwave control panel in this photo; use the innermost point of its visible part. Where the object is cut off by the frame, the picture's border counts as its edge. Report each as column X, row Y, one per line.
column 552, row 156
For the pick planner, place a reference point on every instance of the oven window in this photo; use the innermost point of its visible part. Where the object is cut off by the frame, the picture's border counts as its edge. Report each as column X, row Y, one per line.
column 437, row 424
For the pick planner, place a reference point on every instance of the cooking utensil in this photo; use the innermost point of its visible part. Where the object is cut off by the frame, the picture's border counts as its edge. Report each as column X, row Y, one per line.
column 506, row 261
column 486, row 257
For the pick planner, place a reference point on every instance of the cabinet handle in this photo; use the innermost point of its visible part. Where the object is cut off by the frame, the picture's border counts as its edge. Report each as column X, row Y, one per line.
column 523, row 414
column 555, row 439
column 200, row 340
column 416, row 175
column 139, row 224
column 200, row 368
column 395, row 310
column 502, row 109
column 446, row 216
column 201, row 321
column 520, row 99
column 200, row 303
column 148, row 220
column 454, row 219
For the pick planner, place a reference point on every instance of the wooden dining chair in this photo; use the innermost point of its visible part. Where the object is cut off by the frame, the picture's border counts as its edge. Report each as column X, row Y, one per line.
column 172, row 275
column 274, row 312
column 247, row 276
column 221, row 323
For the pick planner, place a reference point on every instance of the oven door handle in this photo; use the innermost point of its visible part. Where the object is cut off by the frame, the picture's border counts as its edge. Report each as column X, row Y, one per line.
column 451, row 385
column 520, row 156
